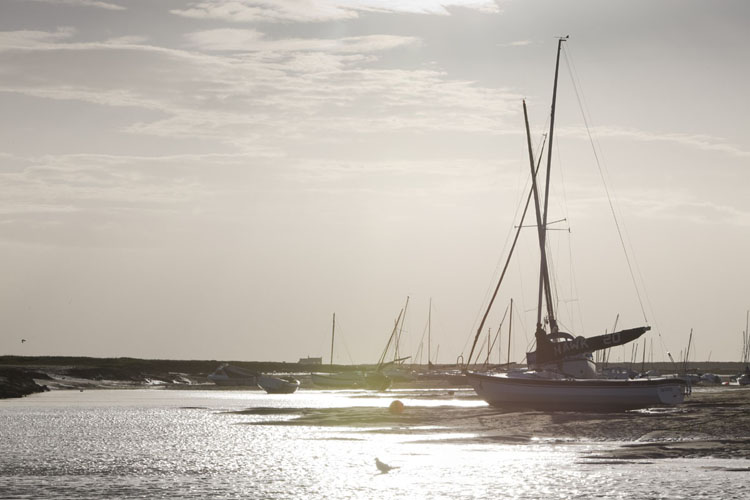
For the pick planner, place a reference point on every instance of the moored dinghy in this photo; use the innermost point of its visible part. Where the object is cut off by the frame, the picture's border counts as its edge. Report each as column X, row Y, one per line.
column 561, row 371
column 278, row 385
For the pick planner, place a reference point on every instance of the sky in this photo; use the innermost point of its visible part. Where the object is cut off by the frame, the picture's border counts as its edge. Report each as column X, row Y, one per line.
column 214, row 179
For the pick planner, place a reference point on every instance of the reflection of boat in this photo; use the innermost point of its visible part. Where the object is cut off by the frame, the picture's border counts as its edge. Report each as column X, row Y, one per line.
column 229, row 375
column 561, row 371
column 278, row 385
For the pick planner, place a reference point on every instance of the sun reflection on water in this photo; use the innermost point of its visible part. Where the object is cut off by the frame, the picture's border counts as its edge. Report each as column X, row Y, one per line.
column 313, row 444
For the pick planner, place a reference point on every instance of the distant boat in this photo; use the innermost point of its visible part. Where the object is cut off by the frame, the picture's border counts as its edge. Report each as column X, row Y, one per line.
column 339, row 380
column 229, row 375
column 375, row 380
column 561, row 373
column 278, row 385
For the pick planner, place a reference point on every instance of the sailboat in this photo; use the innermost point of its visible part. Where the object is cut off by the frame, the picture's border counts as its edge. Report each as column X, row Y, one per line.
column 374, row 380
column 561, row 373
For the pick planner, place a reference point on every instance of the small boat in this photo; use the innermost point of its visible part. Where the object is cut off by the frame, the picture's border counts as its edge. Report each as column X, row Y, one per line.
column 561, row 373
column 229, row 375
column 278, row 385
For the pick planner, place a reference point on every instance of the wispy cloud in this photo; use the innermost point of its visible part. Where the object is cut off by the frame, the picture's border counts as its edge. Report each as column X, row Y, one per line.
column 698, row 141
column 286, row 89
column 685, row 207
column 321, row 10
column 33, row 39
column 84, row 3
column 517, row 43
column 238, row 40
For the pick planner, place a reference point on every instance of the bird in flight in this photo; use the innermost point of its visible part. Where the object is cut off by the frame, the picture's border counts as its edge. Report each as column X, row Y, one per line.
column 23, row 340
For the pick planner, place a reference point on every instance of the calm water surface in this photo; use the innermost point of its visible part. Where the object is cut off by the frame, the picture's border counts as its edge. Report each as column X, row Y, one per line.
column 233, row 444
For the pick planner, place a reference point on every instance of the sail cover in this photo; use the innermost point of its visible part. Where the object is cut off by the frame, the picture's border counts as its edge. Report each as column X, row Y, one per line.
column 548, row 351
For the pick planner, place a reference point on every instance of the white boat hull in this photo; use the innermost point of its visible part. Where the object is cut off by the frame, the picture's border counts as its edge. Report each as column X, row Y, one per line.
column 576, row 394
column 278, row 385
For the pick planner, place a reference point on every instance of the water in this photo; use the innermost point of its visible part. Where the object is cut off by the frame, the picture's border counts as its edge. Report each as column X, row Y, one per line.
column 238, row 444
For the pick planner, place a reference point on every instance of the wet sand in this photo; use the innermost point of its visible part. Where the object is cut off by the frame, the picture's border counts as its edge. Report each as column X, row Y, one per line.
column 714, row 422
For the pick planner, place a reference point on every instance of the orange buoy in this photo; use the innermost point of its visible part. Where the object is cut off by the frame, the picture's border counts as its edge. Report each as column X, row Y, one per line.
column 396, row 407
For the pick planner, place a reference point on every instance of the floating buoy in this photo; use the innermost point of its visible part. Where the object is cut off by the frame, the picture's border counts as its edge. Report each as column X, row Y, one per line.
column 396, row 407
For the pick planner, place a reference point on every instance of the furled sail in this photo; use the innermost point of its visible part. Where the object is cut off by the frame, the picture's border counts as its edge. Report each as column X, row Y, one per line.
column 555, row 347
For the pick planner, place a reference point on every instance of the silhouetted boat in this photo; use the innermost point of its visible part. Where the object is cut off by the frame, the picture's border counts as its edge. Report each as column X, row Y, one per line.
column 561, row 371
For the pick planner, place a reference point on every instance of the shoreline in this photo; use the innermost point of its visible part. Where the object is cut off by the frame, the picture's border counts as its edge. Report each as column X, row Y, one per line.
column 23, row 375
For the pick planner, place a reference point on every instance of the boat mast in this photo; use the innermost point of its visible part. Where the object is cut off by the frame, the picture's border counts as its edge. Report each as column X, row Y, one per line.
column 429, row 331
column 333, row 334
column 687, row 352
column 510, row 253
column 510, row 328
column 544, row 274
column 401, row 329
column 538, row 211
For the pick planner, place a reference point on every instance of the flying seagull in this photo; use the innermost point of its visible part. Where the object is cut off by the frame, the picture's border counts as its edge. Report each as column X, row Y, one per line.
column 383, row 467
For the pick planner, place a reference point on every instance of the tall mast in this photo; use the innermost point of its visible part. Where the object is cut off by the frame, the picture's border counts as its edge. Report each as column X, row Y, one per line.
column 538, row 211
column 333, row 335
column 510, row 254
column 401, row 329
column 429, row 330
column 687, row 352
column 543, row 233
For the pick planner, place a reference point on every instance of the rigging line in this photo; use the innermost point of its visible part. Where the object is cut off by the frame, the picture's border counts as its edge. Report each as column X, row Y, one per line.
column 488, row 291
column 505, row 268
column 563, row 206
column 574, row 287
column 486, row 299
column 497, row 336
column 606, row 187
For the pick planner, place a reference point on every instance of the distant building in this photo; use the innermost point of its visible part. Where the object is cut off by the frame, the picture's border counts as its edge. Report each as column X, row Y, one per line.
column 310, row 361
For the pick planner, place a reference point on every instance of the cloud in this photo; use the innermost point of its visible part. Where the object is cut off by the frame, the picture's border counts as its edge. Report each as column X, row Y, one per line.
column 285, row 91
column 33, row 40
column 85, row 3
column 236, row 40
column 518, row 43
column 702, row 142
column 684, row 207
column 321, row 10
